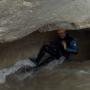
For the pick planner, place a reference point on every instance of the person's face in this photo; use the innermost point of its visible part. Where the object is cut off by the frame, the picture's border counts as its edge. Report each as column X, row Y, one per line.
column 62, row 33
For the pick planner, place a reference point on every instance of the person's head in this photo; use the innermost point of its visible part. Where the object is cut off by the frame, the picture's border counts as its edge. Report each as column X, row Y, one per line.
column 61, row 32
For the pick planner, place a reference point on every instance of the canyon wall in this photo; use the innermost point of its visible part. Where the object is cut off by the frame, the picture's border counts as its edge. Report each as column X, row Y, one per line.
column 19, row 18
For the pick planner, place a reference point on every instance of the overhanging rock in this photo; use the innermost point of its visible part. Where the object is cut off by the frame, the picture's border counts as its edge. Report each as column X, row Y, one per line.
column 19, row 18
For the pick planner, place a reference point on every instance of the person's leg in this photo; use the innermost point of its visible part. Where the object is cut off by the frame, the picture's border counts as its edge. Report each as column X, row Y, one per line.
column 55, row 54
column 41, row 53
column 67, row 55
column 46, row 61
column 52, row 55
column 47, row 49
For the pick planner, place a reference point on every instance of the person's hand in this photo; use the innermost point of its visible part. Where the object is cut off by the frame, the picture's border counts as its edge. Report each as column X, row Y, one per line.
column 64, row 44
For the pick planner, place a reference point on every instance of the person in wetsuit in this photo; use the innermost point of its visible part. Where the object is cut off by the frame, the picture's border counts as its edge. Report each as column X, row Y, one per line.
column 62, row 45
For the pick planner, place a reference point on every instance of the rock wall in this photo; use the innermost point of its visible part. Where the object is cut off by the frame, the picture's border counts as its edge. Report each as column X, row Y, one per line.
column 19, row 18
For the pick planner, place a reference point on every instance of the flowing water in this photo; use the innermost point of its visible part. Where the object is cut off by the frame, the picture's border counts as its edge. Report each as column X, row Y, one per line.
column 73, row 75
column 67, row 76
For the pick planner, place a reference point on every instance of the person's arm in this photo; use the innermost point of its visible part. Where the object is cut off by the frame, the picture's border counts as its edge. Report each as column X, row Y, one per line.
column 73, row 48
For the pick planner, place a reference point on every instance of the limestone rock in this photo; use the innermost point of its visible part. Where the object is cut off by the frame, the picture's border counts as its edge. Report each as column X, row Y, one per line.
column 19, row 18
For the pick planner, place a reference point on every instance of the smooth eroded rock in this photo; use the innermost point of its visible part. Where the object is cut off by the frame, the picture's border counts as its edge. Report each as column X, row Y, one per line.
column 19, row 18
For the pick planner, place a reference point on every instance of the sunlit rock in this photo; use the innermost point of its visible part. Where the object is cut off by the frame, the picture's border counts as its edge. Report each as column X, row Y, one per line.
column 19, row 18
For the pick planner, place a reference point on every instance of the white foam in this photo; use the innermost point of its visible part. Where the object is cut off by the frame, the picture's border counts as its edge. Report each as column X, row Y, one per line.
column 54, row 63
column 25, row 62
column 7, row 71
column 19, row 64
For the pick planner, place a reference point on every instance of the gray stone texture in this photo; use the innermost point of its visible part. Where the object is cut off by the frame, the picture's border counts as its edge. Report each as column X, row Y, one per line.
column 19, row 18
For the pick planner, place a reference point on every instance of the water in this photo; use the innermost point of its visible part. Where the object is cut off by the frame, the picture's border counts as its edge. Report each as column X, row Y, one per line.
column 67, row 76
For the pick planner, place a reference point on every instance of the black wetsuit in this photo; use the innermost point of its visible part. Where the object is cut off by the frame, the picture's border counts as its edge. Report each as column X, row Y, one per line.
column 56, row 50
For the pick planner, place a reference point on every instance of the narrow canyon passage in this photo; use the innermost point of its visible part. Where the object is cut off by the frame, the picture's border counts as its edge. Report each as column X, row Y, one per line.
column 73, row 75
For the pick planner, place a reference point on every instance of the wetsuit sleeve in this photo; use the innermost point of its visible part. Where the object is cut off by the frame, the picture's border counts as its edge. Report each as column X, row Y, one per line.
column 73, row 48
